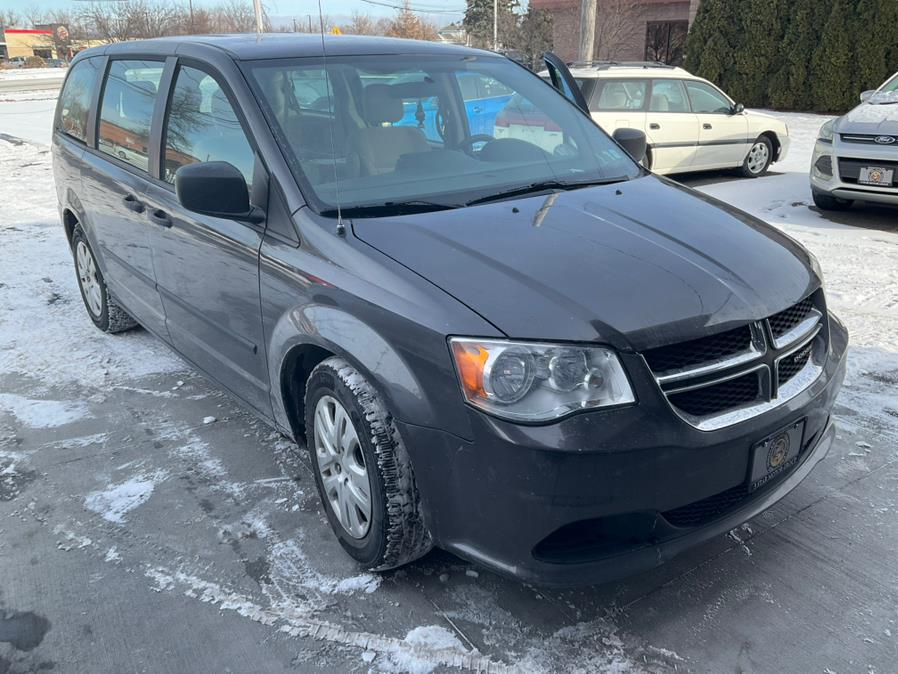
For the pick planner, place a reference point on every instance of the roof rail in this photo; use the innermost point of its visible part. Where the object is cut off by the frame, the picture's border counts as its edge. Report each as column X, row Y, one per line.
column 620, row 64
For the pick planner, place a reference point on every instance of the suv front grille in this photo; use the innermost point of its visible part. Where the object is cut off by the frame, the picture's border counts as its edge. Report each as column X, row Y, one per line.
column 864, row 138
column 697, row 351
column 722, row 379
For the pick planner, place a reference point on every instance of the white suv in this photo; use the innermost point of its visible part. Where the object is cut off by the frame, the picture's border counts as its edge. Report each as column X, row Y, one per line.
column 856, row 155
column 690, row 124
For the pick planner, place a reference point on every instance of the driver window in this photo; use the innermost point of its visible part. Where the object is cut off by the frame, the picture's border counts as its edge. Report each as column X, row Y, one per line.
column 707, row 100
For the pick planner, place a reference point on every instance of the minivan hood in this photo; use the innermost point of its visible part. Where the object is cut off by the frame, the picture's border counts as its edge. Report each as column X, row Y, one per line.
column 870, row 118
column 633, row 264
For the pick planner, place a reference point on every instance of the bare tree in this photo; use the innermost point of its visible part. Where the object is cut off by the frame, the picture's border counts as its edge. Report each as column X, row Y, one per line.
column 9, row 18
column 618, row 26
column 361, row 24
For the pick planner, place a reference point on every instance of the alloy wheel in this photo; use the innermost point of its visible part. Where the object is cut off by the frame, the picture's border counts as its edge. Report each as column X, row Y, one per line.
column 89, row 279
column 341, row 465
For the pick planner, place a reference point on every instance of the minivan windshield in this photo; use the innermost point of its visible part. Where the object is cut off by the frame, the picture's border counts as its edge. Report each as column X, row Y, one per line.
column 381, row 134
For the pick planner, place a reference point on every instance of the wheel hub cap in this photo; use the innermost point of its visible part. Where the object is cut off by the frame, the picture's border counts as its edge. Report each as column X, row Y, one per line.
column 757, row 157
column 88, row 278
column 341, row 466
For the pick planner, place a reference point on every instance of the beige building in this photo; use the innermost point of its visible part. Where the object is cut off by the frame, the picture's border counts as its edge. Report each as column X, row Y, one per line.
column 626, row 30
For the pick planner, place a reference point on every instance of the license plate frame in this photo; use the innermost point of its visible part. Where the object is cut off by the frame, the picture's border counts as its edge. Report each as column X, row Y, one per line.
column 775, row 454
column 878, row 176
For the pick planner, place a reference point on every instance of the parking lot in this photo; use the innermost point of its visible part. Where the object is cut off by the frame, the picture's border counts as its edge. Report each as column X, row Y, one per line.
column 147, row 523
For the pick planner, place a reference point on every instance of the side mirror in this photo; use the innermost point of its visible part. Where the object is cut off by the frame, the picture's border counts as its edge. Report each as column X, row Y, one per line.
column 738, row 109
column 865, row 95
column 218, row 189
column 633, row 141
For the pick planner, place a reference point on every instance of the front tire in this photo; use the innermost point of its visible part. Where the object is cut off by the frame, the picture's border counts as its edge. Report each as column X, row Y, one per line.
column 826, row 202
column 107, row 314
column 759, row 158
column 362, row 470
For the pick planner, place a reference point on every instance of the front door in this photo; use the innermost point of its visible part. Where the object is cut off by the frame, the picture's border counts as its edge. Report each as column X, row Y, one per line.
column 671, row 127
column 207, row 268
column 723, row 132
column 114, row 180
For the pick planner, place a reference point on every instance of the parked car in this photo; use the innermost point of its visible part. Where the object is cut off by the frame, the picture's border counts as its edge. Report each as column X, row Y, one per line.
column 691, row 124
column 856, row 155
column 552, row 363
column 16, row 62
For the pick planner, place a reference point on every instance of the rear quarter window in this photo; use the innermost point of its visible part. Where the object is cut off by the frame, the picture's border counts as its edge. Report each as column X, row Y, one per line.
column 76, row 97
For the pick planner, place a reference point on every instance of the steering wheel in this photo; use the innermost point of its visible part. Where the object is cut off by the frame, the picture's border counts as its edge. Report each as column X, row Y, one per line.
column 466, row 144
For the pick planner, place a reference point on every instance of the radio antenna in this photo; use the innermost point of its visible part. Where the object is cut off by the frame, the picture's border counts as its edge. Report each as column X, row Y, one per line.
column 341, row 228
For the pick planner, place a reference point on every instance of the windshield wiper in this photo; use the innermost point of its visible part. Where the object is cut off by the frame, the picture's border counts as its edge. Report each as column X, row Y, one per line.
column 385, row 208
column 543, row 186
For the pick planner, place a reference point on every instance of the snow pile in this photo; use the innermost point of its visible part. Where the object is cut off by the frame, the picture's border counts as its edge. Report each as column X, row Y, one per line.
column 415, row 654
column 43, row 413
column 114, row 502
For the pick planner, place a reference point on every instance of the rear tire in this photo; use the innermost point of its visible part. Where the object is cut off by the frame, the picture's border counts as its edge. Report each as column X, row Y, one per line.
column 386, row 529
column 107, row 314
column 826, row 202
column 758, row 159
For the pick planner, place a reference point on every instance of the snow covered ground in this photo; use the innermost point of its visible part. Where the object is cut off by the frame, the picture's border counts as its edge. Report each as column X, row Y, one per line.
column 147, row 523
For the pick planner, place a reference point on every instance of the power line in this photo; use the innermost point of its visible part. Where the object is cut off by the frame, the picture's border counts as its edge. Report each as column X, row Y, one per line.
column 420, row 10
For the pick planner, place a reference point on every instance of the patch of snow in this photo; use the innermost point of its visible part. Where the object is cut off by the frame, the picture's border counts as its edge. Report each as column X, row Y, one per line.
column 114, row 502
column 112, row 555
column 423, row 641
column 209, row 420
column 43, row 413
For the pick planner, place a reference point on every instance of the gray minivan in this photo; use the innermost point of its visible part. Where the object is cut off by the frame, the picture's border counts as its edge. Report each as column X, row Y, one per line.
column 529, row 351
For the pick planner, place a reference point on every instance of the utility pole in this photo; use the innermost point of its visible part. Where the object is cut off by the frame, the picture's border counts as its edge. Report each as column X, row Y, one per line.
column 587, row 30
column 257, row 6
column 495, row 25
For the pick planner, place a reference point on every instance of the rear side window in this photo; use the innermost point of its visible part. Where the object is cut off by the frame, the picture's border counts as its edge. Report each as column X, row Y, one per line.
column 127, row 110
column 76, row 97
column 668, row 96
column 621, row 95
column 202, row 126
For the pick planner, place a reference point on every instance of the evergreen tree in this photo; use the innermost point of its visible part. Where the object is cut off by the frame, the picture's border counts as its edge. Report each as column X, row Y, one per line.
column 876, row 28
column 711, row 42
column 478, row 22
column 833, row 62
column 757, row 51
column 535, row 36
column 790, row 83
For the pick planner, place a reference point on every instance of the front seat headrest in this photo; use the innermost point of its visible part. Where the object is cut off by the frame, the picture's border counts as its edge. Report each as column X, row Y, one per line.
column 380, row 106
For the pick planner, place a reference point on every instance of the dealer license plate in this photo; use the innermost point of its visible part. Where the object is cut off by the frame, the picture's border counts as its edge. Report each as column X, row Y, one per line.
column 775, row 454
column 874, row 175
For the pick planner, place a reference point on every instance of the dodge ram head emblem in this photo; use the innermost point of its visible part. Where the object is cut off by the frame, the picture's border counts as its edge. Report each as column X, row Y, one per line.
column 885, row 140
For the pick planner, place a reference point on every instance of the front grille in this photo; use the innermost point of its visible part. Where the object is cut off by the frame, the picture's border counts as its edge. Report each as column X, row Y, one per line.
column 793, row 364
column 784, row 321
column 697, row 351
column 864, row 139
column 850, row 169
column 725, row 395
column 725, row 378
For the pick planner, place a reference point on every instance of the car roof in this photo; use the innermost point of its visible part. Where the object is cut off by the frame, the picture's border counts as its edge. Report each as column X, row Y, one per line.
column 254, row 46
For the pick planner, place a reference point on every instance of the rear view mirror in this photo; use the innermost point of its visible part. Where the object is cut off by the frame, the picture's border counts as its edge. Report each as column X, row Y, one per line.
column 865, row 95
column 633, row 141
column 216, row 188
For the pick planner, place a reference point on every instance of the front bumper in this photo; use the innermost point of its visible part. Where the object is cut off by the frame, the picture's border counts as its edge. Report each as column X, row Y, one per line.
column 833, row 184
column 600, row 495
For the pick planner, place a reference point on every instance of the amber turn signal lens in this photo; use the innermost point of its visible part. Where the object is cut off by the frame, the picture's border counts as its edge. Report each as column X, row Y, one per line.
column 470, row 360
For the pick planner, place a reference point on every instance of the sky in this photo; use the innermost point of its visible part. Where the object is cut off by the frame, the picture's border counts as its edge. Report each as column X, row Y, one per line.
column 285, row 8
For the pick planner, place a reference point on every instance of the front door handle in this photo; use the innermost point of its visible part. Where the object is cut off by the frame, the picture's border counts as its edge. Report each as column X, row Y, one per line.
column 132, row 203
column 160, row 217
column 706, row 126
column 476, row 109
column 654, row 126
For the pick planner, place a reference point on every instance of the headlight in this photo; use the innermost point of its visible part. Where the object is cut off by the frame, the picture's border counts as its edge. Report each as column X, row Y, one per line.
column 826, row 132
column 525, row 381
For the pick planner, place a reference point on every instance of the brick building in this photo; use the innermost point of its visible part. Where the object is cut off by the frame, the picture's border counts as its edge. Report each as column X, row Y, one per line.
column 626, row 30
